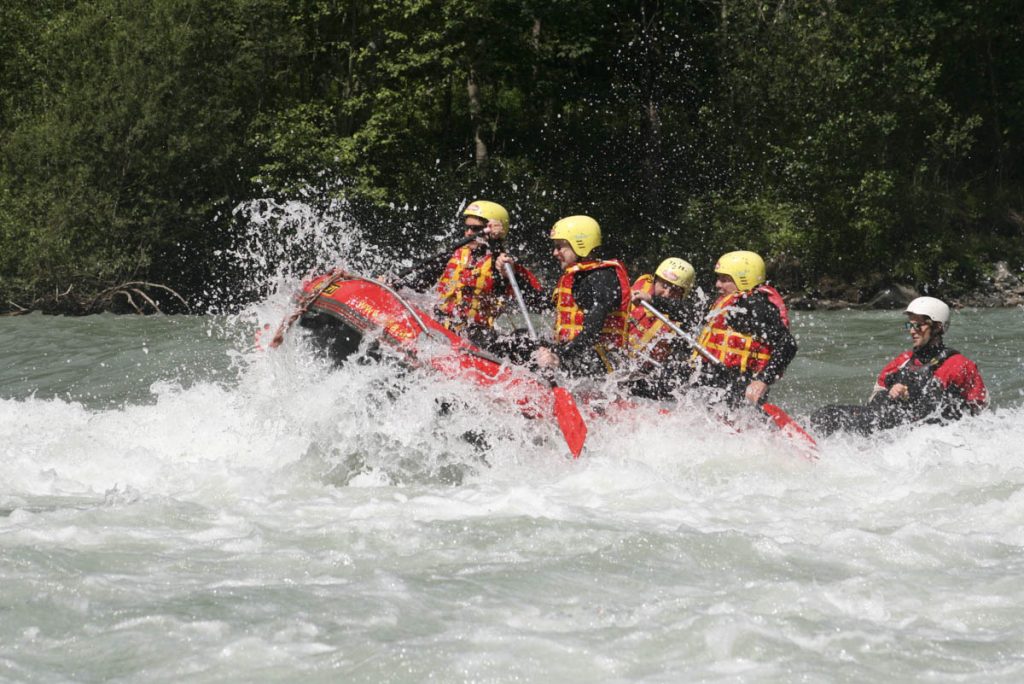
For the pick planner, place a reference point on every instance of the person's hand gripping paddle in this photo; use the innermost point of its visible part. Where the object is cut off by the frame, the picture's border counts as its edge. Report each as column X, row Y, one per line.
column 570, row 422
column 429, row 262
column 779, row 418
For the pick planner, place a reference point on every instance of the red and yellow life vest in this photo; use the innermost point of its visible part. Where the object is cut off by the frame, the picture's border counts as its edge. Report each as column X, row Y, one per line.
column 569, row 317
column 733, row 348
column 466, row 290
column 646, row 333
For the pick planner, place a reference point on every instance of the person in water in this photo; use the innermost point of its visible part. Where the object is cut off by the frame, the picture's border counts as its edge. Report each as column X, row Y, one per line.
column 591, row 302
column 472, row 290
column 746, row 330
column 929, row 382
column 658, row 354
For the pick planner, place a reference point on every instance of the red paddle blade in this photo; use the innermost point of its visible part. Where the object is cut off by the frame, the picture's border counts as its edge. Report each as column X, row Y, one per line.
column 570, row 422
column 789, row 426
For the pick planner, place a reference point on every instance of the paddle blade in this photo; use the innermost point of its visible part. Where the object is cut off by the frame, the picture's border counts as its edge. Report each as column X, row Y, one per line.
column 570, row 422
column 790, row 427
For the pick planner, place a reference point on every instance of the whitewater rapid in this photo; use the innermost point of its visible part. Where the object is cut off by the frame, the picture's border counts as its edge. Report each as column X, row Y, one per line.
column 174, row 504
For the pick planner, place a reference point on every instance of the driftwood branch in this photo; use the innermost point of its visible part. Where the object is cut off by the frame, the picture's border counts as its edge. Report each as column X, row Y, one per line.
column 138, row 287
column 147, row 298
column 127, row 295
column 158, row 286
column 20, row 309
column 140, row 295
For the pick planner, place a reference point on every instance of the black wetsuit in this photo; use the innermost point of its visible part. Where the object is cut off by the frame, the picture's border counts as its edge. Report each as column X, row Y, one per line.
column 683, row 312
column 926, row 399
column 660, row 379
column 597, row 293
column 758, row 317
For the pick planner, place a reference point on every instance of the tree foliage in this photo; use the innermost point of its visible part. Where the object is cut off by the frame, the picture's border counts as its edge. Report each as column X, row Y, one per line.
column 853, row 139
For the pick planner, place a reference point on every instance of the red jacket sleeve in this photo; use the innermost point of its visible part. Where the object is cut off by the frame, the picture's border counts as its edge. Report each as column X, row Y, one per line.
column 963, row 373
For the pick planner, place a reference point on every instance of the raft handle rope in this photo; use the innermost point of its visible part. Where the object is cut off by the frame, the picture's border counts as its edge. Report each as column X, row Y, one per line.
column 303, row 307
column 336, row 275
column 406, row 305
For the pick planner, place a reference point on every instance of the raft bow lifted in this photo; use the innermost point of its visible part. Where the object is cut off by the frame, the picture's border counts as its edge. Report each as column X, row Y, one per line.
column 344, row 307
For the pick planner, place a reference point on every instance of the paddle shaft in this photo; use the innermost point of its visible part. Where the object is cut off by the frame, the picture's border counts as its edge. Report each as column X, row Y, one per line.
column 679, row 331
column 417, row 267
column 511, row 275
column 567, row 414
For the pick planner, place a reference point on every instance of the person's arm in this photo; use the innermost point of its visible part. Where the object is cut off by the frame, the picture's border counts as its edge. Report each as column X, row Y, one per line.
column 533, row 292
column 880, row 390
column 768, row 325
column 425, row 278
column 679, row 310
column 425, row 273
column 688, row 315
column 597, row 293
column 972, row 387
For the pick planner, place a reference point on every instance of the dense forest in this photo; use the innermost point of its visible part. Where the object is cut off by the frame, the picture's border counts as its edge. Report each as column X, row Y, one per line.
column 850, row 142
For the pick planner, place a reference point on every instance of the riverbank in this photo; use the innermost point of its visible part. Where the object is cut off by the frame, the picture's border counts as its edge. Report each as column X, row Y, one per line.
column 132, row 297
column 1003, row 288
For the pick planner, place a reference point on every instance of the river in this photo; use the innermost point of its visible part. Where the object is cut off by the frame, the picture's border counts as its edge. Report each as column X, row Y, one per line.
column 177, row 506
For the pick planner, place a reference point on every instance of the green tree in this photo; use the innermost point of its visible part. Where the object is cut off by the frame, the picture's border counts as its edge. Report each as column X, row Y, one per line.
column 127, row 142
column 858, row 139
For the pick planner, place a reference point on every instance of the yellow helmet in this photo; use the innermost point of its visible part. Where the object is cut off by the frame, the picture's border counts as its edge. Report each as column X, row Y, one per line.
column 746, row 269
column 489, row 211
column 581, row 232
column 677, row 272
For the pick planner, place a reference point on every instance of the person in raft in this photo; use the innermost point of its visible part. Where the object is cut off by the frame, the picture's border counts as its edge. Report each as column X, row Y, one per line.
column 746, row 330
column 472, row 290
column 591, row 302
column 658, row 353
column 930, row 382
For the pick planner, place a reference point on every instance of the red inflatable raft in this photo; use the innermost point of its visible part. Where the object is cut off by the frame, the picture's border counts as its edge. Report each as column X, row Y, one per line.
column 343, row 308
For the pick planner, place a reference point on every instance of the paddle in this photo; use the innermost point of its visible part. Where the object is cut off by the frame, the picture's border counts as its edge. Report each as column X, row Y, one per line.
column 432, row 261
column 570, row 422
column 783, row 421
column 780, row 418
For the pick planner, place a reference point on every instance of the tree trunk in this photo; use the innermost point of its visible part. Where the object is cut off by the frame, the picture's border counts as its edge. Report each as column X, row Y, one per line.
column 479, row 146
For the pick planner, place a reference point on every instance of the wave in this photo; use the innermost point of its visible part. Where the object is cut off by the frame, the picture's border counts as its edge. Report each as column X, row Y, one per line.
column 291, row 420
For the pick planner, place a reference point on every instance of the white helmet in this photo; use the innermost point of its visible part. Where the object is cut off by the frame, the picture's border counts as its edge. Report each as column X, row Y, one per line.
column 935, row 309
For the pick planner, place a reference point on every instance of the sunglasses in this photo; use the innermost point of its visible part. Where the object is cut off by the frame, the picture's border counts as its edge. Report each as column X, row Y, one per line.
column 474, row 227
column 916, row 327
column 672, row 288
